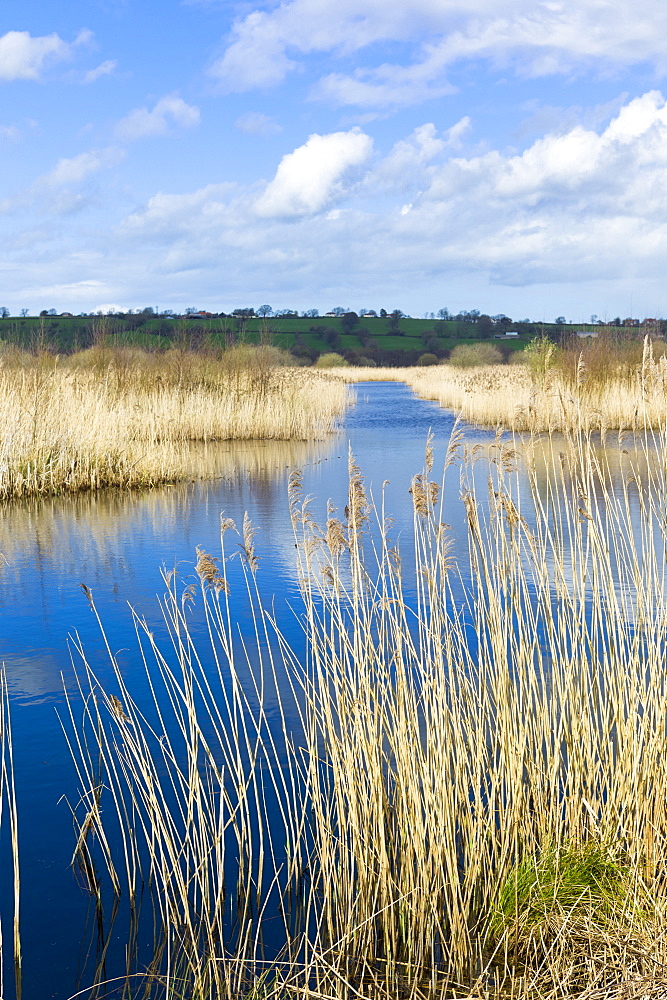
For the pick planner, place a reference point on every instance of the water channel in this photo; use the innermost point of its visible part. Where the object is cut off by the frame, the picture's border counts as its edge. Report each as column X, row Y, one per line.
column 116, row 543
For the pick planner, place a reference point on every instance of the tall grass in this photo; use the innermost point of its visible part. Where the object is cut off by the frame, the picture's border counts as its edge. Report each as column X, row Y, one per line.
column 120, row 418
column 600, row 385
column 448, row 729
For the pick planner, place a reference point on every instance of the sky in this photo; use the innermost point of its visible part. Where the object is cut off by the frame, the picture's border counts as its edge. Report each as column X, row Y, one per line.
column 502, row 155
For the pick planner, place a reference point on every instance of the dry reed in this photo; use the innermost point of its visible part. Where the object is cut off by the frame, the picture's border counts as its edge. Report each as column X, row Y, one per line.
column 120, row 418
column 586, row 390
column 376, row 792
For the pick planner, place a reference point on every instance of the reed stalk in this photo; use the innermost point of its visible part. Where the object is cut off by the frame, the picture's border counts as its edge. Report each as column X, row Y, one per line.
column 450, row 721
column 8, row 802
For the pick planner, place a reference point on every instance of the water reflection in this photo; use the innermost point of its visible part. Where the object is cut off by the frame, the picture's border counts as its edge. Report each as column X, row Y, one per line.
column 115, row 543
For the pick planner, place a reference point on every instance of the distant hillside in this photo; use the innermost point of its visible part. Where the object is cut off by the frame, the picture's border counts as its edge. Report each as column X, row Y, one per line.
column 389, row 340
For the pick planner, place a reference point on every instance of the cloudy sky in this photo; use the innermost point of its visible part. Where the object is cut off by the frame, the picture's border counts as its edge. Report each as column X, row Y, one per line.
column 504, row 155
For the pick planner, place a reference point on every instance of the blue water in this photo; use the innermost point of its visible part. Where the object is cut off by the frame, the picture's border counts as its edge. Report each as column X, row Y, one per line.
column 116, row 543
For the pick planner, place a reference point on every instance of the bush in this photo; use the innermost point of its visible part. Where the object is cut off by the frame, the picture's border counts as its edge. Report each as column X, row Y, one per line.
column 427, row 359
column 331, row 360
column 471, row 355
column 540, row 355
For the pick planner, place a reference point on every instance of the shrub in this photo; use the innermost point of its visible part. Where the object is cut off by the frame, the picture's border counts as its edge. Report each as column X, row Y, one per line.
column 471, row 355
column 330, row 360
column 540, row 355
column 427, row 359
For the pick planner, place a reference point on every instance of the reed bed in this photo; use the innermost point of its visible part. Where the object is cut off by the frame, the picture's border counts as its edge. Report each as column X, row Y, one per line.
column 124, row 418
column 576, row 390
column 455, row 788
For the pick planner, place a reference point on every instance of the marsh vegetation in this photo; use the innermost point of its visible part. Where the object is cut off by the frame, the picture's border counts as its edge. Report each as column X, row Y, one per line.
column 121, row 417
column 451, row 784
column 590, row 386
column 455, row 788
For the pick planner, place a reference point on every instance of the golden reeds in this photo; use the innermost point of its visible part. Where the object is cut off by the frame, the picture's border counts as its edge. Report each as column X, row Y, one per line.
column 119, row 418
column 592, row 390
column 443, row 729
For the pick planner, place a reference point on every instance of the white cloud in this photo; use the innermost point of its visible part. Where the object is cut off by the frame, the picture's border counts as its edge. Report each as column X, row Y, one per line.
column 255, row 123
column 74, row 170
column 167, row 215
column 309, row 178
column 104, row 69
column 169, row 111
column 23, row 57
column 583, row 206
column 580, row 206
column 109, row 307
column 536, row 38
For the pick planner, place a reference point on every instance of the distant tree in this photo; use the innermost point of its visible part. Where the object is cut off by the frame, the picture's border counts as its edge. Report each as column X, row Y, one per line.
column 594, row 318
column 24, row 312
column 560, row 321
column 485, row 326
column 189, row 311
column 303, row 352
column 348, row 321
column 148, row 311
column 312, row 313
column 264, row 310
column 4, row 312
column 443, row 314
column 338, row 311
column 431, row 342
column 427, row 359
column 383, row 313
column 331, row 338
column 394, row 322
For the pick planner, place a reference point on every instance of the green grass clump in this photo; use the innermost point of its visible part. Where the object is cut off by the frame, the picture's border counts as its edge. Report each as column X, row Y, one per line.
column 570, row 880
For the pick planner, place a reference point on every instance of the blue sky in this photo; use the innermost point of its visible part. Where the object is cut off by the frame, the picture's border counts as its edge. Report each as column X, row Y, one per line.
column 504, row 155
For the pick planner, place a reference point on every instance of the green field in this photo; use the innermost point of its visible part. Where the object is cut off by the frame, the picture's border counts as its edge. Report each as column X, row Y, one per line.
column 383, row 341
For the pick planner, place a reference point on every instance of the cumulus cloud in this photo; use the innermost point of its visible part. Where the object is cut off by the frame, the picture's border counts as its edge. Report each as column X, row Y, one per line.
column 23, row 57
column 73, row 170
column 104, row 69
column 169, row 111
column 66, row 188
column 582, row 205
column 308, row 179
column 536, row 37
column 168, row 215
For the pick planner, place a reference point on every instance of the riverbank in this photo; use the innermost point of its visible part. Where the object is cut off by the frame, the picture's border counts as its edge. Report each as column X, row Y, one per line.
column 125, row 418
column 517, row 399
